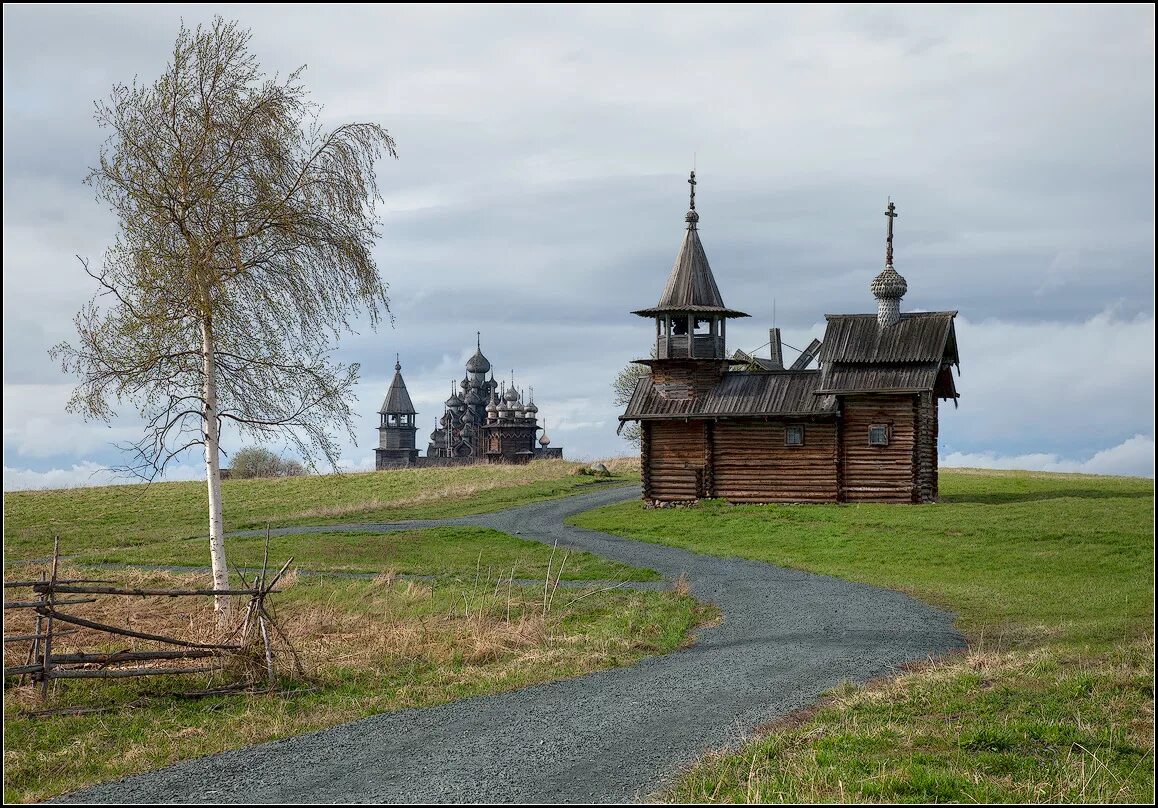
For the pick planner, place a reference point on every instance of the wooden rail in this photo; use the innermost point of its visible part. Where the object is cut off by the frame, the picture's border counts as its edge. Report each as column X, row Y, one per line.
column 44, row 665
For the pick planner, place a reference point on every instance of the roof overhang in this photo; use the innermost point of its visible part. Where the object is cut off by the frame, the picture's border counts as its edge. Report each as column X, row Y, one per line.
column 719, row 416
column 694, row 310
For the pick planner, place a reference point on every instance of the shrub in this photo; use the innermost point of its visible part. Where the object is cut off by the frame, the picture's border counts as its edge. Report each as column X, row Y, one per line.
column 257, row 461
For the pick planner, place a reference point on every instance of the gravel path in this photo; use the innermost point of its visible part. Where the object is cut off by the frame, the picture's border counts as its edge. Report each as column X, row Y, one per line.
column 613, row 736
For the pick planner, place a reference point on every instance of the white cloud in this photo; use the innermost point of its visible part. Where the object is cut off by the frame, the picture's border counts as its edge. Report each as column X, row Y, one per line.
column 83, row 474
column 1133, row 457
column 1070, row 388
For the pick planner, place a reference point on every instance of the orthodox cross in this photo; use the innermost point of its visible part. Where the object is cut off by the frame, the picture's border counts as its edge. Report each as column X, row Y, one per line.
column 892, row 214
column 692, row 182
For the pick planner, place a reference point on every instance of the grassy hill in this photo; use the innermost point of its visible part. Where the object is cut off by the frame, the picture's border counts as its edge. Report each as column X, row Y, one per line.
column 450, row 613
column 1052, row 579
column 132, row 515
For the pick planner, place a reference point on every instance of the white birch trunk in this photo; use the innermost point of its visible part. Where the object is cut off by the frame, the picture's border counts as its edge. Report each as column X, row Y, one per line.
column 221, row 603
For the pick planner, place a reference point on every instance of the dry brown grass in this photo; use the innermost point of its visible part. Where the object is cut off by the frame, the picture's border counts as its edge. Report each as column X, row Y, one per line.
column 370, row 627
column 622, row 465
column 185, row 618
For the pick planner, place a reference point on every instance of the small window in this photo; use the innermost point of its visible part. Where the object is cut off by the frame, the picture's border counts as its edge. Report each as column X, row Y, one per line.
column 878, row 435
column 794, row 436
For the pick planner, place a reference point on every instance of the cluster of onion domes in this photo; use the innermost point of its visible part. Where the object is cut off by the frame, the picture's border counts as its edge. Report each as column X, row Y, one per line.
column 477, row 402
column 509, row 406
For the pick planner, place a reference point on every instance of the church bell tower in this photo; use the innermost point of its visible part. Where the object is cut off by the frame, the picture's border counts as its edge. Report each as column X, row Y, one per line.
column 690, row 320
column 396, row 428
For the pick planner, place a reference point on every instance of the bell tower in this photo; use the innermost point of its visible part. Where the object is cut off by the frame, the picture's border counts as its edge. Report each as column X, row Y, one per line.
column 690, row 320
column 396, row 427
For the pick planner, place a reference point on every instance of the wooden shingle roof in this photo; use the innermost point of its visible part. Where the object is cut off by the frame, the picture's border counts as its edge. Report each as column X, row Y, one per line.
column 859, row 356
column 397, row 401
column 918, row 337
column 739, row 394
column 691, row 287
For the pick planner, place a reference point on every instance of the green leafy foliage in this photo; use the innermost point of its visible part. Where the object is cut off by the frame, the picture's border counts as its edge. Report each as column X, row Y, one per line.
column 257, row 461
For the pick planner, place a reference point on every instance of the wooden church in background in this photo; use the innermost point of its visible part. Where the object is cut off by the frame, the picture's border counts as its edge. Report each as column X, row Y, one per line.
column 862, row 427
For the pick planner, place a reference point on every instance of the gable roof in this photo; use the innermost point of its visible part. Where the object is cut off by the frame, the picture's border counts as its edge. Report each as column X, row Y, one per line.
column 777, row 393
column 691, row 287
column 921, row 336
column 859, row 356
column 397, row 401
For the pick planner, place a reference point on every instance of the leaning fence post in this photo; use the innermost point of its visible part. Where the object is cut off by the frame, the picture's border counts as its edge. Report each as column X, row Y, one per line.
column 50, row 600
column 34, row 649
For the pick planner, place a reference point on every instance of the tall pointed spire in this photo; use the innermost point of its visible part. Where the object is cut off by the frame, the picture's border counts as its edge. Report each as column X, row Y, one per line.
column 397, row 401
column 691, row 287
column 889, row 286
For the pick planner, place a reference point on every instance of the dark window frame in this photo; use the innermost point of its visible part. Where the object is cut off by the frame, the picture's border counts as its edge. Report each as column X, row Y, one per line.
column 873, row 428
column 789, row 430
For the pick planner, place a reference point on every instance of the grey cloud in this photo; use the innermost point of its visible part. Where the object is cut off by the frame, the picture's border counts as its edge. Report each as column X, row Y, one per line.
column 540, row 192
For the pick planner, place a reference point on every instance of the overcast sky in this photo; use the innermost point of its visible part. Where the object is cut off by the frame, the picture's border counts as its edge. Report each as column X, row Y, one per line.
column 541, row 186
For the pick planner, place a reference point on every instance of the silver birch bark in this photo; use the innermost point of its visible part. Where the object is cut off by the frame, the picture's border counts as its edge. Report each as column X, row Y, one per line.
column 221, row 603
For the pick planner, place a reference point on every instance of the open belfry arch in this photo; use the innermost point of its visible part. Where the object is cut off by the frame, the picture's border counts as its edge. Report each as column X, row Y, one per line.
column 860, row 427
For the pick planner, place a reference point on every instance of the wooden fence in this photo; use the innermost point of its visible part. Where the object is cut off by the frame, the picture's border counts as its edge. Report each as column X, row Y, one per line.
column 51, row 594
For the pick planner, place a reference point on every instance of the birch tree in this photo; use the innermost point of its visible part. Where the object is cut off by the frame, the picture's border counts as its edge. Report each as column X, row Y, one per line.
column 243, row 251
column 623, row 386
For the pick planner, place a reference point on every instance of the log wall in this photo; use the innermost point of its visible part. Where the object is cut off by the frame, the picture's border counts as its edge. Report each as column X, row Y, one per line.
column 879, row 473
column 674, row 460
column 685, row 379
column 752, row 464
column 926, row 448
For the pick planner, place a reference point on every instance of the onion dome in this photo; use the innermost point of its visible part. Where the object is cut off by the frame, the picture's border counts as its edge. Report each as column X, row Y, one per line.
column 464, row 384
column 453, row 402
column 544, row 441
column 889, row 284
column 532, row 410
column 493, row 407
column 478, row 363
column 511, row 396
column 474, row 397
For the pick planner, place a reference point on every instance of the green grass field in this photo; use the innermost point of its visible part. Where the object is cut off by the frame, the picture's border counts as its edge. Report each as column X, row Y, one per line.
column 1051, row 577
column 441, row 551
column 369, row 645
column 105, row 517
